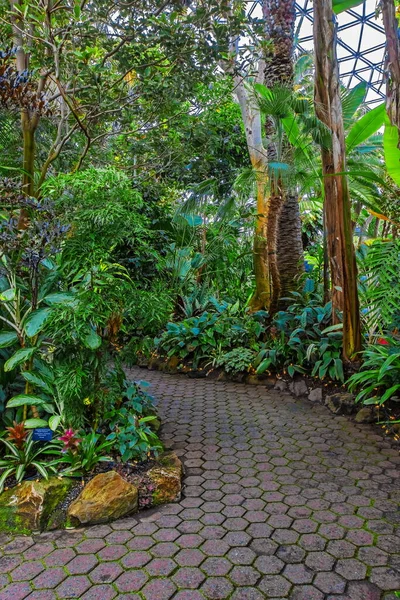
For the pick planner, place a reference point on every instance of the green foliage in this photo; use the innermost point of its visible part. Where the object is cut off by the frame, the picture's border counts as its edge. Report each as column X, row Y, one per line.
column 379, row 377
column 24, row 460
column 200, row 338
column 131, row 425
column 90, row 450
column 301, row 340
column 238, row 360
column 379, row 290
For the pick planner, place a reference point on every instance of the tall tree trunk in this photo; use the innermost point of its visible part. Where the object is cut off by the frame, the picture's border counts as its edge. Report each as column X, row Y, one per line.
column 328, row 108
column 261, row 298
column 290, row 245
column 280, row 17
column 392, row 62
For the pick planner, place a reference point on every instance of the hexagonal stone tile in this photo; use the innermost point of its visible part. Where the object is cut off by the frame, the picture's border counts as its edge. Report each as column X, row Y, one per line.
column 49, row 578
column 275, row 586
column 307, row 592
column 100, row 592
column 136, row 559
column 15, row 591
column 291, row 554
column 27, row 571
column 330, row 583
column 269, row 565
column 161, row 567
column 351, row 568
column 159, row 589
column 82, row 564
column 216, row 588
column 90, row 546
column 189, row 558
column 241, row 556
column 131, row 581
column 319, row 561
column 188, row 577
column 244, row 576
column 247, row 593
column 114, row 552
column 73, row 587
column 60, row 557
column 386, row 578
column 216, row 566
column 106, row 573
column 298, row 574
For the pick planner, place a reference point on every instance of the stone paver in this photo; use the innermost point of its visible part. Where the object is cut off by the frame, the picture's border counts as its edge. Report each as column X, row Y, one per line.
column 281, row 500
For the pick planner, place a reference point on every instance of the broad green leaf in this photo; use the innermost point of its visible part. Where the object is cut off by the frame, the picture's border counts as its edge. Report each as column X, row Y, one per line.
column 60, row 298
column 7, row 338
column 337, row 327
column 36, row 320
column 92, row 340
column 366, row 126
column 342, row 5
column 193, row 220
column 24, row 399
column 389, row 393
column 392, row 153
column 19, row 357
column 36, row 380
column 7, row 295
column 54, row 422
column 33, row 423
column 352, row 100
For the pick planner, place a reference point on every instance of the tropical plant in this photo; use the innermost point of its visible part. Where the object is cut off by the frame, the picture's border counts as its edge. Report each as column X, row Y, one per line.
column 23, row 457
column 76, row 456
column 379, row 377
column 238, row 360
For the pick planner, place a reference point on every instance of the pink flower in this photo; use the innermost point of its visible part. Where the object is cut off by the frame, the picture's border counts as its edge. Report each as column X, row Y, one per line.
column 70, row 440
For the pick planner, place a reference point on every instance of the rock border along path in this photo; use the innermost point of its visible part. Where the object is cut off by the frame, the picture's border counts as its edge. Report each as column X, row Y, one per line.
column 281, row 500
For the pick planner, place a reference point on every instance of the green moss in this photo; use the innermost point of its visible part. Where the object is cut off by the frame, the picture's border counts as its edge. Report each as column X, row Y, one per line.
column 55, row 491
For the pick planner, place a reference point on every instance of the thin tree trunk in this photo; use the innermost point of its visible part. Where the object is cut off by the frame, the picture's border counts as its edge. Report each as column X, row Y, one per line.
column 337, row 200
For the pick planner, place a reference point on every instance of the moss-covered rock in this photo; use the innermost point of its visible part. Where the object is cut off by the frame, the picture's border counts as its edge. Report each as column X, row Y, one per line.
column 106, row 497
column 166, row 476
column 28, row 506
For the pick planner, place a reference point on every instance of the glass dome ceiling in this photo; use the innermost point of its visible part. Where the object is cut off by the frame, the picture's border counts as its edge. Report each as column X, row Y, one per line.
column 361, row 44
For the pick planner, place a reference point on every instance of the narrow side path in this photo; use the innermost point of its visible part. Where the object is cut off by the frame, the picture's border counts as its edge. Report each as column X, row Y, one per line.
column 281, row 500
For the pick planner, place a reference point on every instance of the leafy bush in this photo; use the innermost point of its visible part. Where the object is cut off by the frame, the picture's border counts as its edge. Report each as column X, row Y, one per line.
column 379, row 377
column 21, row 456
column 77, row 456
column 199, row 338
column 130, row 422
column 301, row 340
column 237, row 360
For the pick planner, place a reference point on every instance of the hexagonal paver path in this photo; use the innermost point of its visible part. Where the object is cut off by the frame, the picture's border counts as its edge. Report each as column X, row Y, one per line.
column 281, row 500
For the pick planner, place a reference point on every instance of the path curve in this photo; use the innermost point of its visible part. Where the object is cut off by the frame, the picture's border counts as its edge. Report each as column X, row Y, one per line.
column 281, row 500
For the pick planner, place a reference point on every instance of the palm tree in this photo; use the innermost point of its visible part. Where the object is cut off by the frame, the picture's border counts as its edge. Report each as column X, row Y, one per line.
column 393, row 61
column 285, row 230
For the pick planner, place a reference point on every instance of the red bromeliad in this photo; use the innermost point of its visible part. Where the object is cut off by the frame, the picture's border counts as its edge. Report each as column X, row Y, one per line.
column 70, row 440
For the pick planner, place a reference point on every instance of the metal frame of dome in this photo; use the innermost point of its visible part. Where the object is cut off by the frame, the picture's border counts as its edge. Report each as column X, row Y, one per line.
column 362, row 67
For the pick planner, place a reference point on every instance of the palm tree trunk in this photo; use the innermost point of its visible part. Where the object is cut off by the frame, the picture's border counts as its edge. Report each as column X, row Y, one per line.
column 280, row 17
column 341, row 252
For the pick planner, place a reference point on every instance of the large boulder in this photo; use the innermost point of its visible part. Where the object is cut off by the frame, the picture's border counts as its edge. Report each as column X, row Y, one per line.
column 166, row 477
column 28, row 507
column 341, row 404
column 106, row 497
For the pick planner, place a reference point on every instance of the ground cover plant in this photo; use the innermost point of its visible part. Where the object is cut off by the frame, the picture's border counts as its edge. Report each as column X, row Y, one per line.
column 168, row 194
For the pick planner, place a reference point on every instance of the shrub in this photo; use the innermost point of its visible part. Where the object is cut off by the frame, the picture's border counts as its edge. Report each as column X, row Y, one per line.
column 379, row 377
